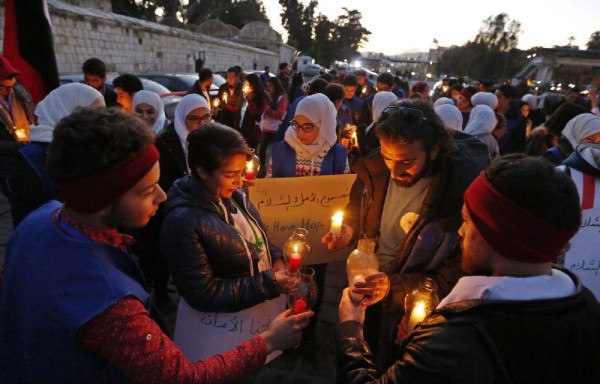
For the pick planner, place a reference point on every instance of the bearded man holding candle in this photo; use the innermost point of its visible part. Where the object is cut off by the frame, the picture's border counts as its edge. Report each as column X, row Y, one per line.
column 408, row 197
column 517, row 318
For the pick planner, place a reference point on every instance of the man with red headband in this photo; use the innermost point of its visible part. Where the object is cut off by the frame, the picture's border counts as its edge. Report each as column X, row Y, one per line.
column 74, row 304
column 516, row 318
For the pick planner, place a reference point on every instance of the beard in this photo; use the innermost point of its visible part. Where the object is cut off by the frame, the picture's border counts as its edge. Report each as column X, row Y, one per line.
column 415, row 178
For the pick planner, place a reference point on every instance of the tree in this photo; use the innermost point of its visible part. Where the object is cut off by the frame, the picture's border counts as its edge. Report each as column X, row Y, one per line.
column 350, row 35
column 594, row 41
column 298, row 20
column 144, row 9
column 499, row 33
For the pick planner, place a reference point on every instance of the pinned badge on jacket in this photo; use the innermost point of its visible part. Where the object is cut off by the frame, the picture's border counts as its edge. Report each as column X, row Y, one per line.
column 408, row 220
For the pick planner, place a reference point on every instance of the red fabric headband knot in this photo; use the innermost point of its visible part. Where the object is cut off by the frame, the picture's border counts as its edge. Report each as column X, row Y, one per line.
column 510, row 230
column 90, row 194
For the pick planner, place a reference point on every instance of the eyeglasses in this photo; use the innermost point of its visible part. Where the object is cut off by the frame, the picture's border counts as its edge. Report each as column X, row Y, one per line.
column 199, row 119
column 308, row 127
column 411, row 116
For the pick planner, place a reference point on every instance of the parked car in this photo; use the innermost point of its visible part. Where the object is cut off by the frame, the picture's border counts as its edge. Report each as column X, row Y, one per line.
column 182, row 82
column 168, row 97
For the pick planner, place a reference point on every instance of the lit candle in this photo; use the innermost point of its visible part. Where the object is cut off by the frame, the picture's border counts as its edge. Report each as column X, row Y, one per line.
column 336, row 224
column 246, row 89
column 353, row 138
column 417, row 315
column 295, row 260
column 299, row 306
column 225, row 98
column 364, row 90
column 249, row 170
column 216, row 102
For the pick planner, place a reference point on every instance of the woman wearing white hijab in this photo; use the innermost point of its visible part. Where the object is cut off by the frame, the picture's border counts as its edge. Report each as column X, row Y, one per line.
column 309, row 147
column 485, row 98
column 190, row 114
column 584, row 128
column 151, row 108
column 367, row 140
column 30, row 184
column 450, row 115
column 481, row 124
column 443, row 101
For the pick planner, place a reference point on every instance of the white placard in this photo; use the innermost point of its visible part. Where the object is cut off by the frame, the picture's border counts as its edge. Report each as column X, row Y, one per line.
column 583, row 257
column 204, row 334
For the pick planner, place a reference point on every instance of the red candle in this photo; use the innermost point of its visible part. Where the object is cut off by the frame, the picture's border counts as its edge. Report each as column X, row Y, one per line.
column 299, row 306
column 249, row 174
column 294, row 264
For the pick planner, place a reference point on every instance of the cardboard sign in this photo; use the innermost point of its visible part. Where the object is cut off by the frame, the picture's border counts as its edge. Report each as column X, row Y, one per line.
column 205, row 334
column 583, row 257
column 302, row 202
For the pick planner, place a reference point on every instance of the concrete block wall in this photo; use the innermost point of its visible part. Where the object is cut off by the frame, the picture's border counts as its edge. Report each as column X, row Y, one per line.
column 131, row 45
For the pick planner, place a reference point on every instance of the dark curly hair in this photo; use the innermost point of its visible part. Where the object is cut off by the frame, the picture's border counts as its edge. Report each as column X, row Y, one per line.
column 429, row 133
column 91, row 140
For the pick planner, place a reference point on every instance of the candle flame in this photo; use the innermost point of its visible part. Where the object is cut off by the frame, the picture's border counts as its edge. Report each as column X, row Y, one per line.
column 216, row 103
column 419, row 311
column 249, row 165
column 246, row 88
column 296, row 248
column 225, row 98
column 338, row 217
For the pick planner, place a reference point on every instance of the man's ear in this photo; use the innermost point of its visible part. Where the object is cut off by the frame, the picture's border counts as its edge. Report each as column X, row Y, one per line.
column 202, row 174
column 435, row 151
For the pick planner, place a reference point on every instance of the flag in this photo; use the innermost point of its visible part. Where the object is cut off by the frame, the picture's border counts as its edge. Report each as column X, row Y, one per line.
column 29, row 46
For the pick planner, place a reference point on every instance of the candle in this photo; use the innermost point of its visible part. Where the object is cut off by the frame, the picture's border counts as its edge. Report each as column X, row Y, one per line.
column 353, row 138
column 417, row 315
column 225, row 98
column 295, row 260
column 336, row 224
column 364, row 90
column 246, row 89
column 216, row 103
column 249, row 170
column 299, row 306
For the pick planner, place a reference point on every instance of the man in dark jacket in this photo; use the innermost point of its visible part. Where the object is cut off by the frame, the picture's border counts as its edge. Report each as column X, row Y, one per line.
column 516, row 319
column 232, row 99
column 94, row 75
column 408, row 197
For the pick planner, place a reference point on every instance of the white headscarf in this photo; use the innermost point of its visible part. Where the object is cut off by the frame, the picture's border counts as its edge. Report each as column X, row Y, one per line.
column 531, row 100
column 580, row 127
column 442, row 101
column 482, row 121
column 152, row 98
column 60, row 103
column 450, row 115
column 486, row 98
column 321, row 111
column 381, row 101
column 186, row 105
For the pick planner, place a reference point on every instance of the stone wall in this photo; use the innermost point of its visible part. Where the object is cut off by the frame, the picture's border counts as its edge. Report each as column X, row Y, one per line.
column 131, row 45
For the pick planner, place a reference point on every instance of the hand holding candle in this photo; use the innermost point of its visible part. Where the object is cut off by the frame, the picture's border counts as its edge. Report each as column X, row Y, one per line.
column 336, row 224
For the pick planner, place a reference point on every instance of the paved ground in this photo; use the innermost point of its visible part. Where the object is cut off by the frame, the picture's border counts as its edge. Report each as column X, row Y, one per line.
column 314, row 365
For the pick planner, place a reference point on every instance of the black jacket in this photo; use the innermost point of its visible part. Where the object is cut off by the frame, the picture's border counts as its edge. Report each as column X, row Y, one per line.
column 209, row 260
column 484, row 341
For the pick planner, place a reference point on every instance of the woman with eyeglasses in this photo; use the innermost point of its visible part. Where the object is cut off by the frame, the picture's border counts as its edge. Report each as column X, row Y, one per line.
column 309, row 147
column 191, row 113
column 217, row 247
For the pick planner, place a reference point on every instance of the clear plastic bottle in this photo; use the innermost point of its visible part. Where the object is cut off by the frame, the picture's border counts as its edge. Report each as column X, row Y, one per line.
column 361, row 263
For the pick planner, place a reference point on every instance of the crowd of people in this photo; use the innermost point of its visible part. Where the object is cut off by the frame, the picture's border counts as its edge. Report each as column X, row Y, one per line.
column 475, row 189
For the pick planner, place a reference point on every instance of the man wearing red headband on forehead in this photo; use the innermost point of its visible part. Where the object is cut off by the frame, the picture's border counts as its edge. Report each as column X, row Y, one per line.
column 74, row 306
column 516, row 318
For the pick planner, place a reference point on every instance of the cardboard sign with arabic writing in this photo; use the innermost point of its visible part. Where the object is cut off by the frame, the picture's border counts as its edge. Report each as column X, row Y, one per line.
column 302, row 202
column 583, row 257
